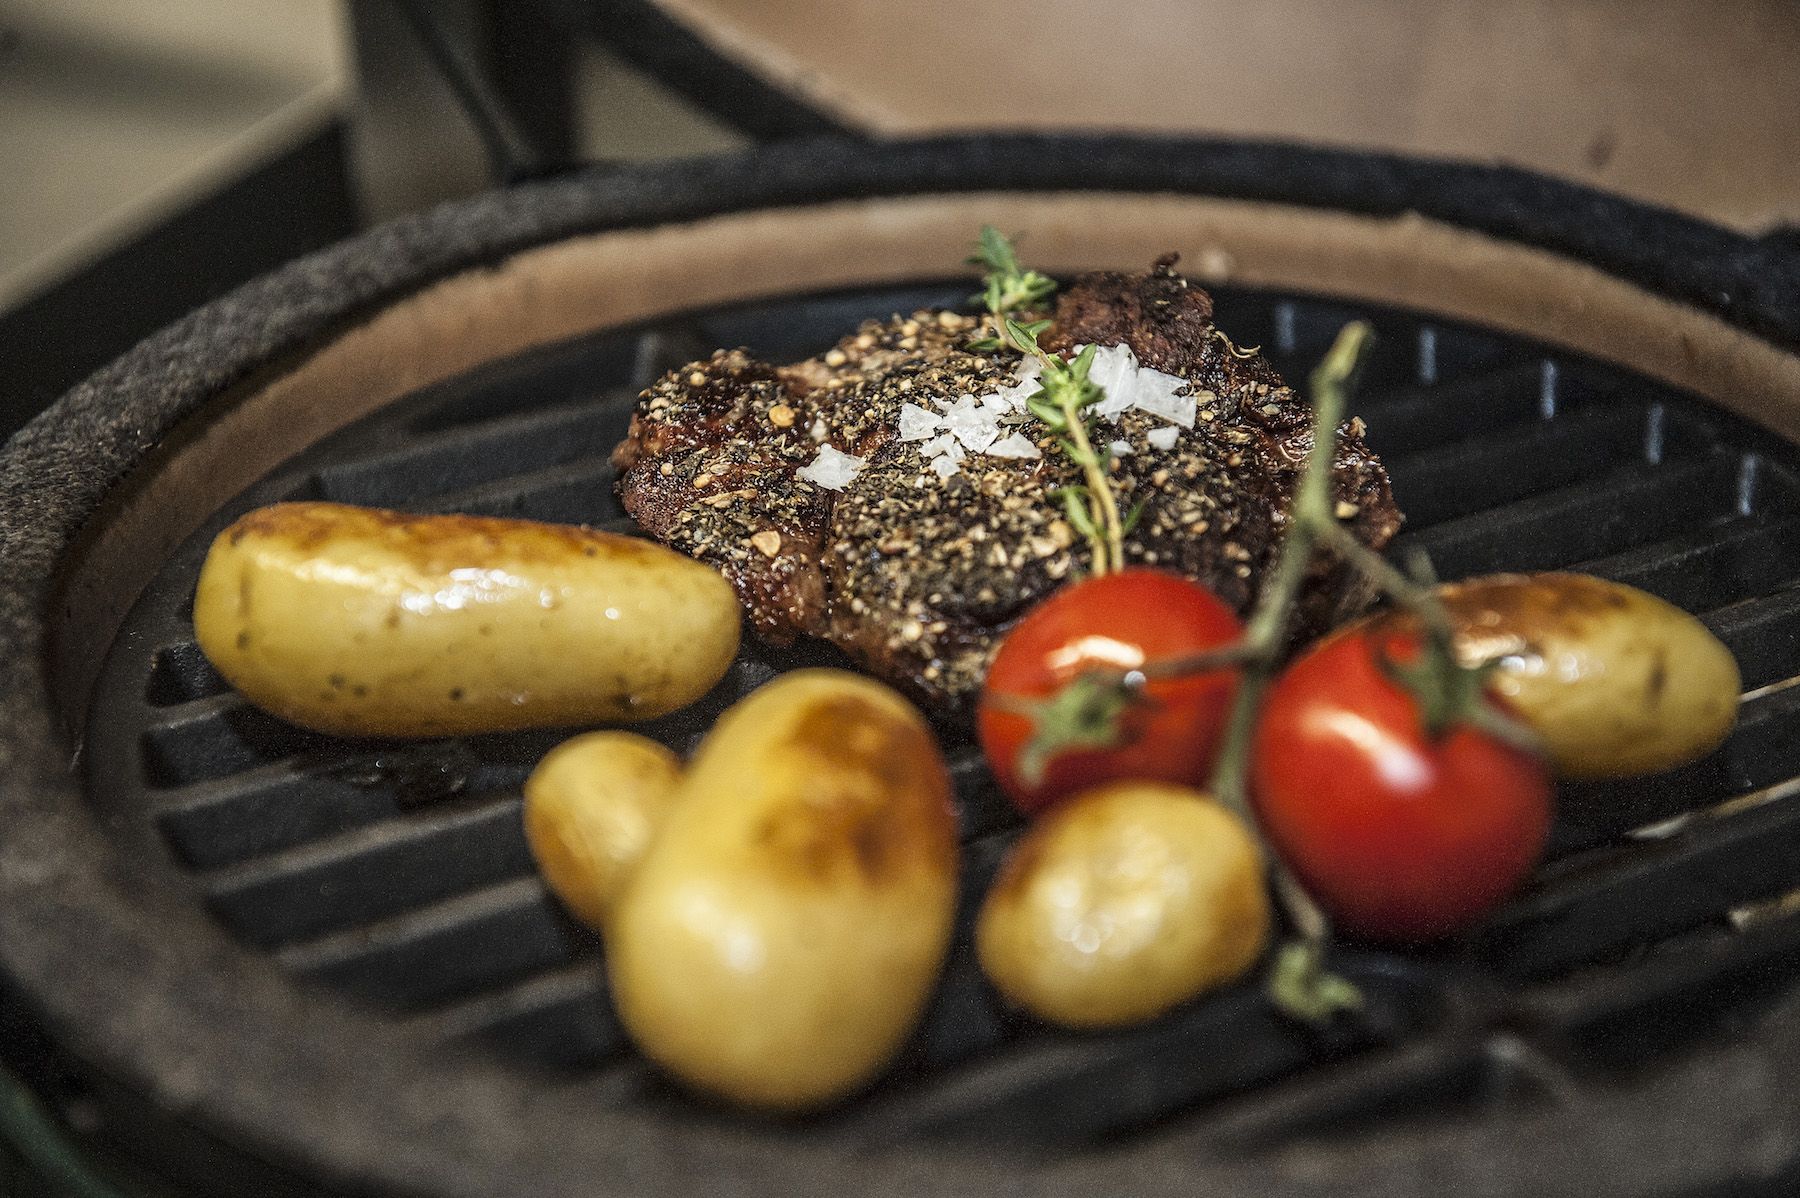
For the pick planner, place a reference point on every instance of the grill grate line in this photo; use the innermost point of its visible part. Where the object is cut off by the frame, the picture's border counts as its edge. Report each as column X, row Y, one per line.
column 1650, row 892
column 1711, row 566
column 459, row 458
column 1427, row 368
column 1392, row 1081
column 1610, row 514
column 477, row 940
column 1410, row 419
column 1449, row 481
column 560, row 1018
column 1040, row 1088
column 580, row 980
column 1593, row 998
column 574, row 492
column 261, row 812
column 369, row 873
column 1763, row 634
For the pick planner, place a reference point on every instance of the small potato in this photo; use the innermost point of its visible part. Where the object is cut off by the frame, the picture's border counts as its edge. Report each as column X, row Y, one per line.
column 591, row 808
column 1616, row 681
column 1122, row 903
column 784, row 931
column 369, row 623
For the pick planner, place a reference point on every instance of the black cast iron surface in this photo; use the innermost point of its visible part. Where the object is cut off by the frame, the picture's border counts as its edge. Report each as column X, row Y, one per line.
column 396, row 874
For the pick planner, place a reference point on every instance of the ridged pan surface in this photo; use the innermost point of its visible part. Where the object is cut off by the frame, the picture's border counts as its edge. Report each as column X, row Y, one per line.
column 397, row 876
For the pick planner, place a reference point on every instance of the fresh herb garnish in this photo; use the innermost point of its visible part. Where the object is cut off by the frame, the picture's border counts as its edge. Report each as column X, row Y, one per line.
column 1007, row 286
column 1065, row 400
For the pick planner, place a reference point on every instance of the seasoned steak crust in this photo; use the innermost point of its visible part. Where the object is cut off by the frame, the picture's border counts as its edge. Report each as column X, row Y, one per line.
column 917, row 578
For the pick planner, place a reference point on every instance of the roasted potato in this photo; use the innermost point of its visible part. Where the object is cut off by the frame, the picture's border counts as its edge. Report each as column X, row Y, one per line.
column 1121, row 903
column 591, row 808
column 369, row 623
column 782, row 934
column 1616, row 681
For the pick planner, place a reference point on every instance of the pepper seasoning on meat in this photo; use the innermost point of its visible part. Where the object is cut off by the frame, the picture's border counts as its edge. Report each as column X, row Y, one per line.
column 918, row 576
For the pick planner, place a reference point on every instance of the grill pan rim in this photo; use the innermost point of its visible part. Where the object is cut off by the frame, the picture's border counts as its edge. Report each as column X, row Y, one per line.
column 58, row 472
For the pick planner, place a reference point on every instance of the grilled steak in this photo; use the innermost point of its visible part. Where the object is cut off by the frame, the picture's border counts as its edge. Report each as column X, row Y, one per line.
column 915, row 575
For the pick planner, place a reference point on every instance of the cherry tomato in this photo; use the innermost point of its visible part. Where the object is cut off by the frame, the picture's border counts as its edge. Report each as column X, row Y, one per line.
column 1169, row 731
column 1399, row 836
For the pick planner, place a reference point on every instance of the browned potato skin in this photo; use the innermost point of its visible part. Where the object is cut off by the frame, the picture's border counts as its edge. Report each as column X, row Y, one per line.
column 1122, row 903
column 361, row 622
column 592, row 806
column 786, row 928
column 1616, row 681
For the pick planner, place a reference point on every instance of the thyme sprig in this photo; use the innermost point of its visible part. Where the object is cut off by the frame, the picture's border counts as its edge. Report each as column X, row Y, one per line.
column 1065, row 400
column 1007, row 286
column 1065, row 403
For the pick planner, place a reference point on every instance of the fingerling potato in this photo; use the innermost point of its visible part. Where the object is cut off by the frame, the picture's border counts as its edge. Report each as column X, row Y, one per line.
column 362, row 622
column 1122, row 903
column 1614, row 680
column 592, row 806
column 785, row 929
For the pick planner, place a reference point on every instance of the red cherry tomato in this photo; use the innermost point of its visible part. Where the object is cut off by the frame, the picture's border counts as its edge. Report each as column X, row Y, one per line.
column 1115, row 622
column 1398, row 836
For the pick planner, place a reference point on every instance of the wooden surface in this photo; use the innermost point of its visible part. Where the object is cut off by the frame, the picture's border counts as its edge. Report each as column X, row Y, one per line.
column 1683, row 102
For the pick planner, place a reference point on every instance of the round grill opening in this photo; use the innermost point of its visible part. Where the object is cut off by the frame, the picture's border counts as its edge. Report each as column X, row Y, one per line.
column 395, row 875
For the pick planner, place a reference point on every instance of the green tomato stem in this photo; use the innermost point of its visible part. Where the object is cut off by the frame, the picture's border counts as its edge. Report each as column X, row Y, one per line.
column 1457, row 689
column 1310, row 516
column 1395, row 585
column 1300, row 985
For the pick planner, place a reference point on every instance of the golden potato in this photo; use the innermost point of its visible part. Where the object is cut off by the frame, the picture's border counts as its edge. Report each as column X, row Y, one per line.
column 1616, row 681
column 370, row 623
column 1122, row 903
column 784, row 931
column 591, row 807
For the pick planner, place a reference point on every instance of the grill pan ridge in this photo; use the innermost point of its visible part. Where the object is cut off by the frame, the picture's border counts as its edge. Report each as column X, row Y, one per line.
column 397, row 873
column 1652, row 954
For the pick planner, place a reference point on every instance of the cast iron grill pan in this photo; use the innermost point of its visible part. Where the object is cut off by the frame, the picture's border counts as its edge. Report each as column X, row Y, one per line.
column 396, row 874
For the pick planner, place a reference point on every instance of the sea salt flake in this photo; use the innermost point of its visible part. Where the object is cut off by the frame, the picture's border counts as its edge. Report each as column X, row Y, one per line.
column 1120, row 449
column 1164, row 437
column 1025, row 384
column 974, row 425
column 941, row 444
column 945, row 466
column 1158, row 394
column 1016, row 446
column 964, row 409
column 832, row 469
column 916, row 423
column 1114, row 370
column 980, row 439
column 977, row 437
